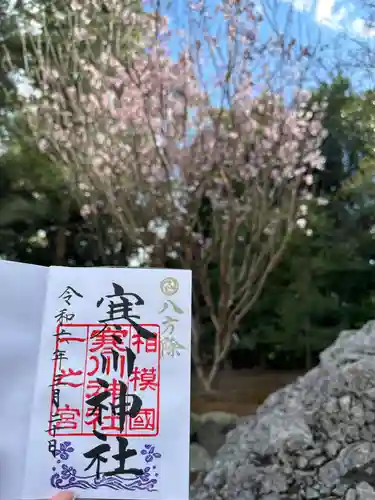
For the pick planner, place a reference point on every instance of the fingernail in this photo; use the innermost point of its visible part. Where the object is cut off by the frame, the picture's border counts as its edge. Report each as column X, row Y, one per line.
column 64, row 495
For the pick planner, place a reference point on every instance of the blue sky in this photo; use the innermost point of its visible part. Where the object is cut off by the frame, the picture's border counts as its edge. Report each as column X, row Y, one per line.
column 334, row 16
column 340, row 26
column 334, row 25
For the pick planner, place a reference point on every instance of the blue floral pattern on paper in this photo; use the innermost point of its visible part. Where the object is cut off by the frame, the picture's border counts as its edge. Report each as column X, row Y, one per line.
column 67, row 477
column 149, row 452
column 64, row 450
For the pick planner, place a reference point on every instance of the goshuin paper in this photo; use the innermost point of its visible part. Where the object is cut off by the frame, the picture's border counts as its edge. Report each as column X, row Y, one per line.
column 103, row 407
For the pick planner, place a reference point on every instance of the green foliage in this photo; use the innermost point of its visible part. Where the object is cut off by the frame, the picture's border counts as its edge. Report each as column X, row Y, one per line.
column 40, row 223
column 326, row 281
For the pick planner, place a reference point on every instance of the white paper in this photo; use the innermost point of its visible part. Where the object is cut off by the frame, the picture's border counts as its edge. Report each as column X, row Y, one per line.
column 22, row 294
column 161, row 376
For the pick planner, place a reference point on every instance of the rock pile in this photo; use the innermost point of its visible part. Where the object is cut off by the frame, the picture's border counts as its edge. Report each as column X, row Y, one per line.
column 314, row 439
column 207, row 435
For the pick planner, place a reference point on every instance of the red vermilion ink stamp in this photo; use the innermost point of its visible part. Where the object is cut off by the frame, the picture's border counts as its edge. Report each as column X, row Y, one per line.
column 99, row 369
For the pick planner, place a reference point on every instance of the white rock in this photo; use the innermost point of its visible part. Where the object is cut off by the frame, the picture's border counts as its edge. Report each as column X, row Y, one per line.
column 200, row 460
column 365, row 491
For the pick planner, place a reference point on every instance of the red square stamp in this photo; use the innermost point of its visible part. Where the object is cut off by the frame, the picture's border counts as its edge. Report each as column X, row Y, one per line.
column 105, row 378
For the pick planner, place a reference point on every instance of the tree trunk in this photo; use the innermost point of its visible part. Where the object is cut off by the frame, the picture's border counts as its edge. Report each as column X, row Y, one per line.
column 60, row 249
column 262, row 359
column 205, row 381
column 219, row 356
column 61, row 236
column 308, row 354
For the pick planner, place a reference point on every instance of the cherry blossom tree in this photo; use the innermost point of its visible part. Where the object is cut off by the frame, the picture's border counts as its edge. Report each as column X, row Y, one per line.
column 196, row 138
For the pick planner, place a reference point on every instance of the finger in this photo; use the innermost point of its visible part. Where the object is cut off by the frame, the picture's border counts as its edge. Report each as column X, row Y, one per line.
column 63, row 495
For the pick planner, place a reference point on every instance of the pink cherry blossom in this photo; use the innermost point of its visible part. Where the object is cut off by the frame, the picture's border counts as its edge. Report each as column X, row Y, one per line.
column 150, row 136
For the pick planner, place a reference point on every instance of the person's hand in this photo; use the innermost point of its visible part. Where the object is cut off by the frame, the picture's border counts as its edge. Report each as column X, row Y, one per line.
column 63, row 495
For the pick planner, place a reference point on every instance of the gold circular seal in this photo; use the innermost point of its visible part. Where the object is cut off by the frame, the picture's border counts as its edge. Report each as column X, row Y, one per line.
column 169, row 286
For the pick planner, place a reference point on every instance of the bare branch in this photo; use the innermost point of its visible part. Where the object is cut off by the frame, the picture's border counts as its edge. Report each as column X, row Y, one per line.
column 200, row 157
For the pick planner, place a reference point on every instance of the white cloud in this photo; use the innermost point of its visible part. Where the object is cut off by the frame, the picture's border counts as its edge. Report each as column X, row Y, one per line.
column 342, row 18
column 360, row 29
column 336, row 17
column 324, row 13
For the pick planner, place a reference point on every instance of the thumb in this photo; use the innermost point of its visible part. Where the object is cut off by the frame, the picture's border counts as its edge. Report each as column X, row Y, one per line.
column 63, row 495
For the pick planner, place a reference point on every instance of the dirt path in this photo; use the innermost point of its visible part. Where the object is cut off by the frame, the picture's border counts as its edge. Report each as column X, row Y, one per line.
column 240, row 392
